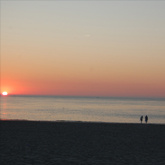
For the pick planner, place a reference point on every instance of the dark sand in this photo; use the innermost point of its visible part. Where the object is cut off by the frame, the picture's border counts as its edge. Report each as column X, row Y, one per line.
column 67, row 143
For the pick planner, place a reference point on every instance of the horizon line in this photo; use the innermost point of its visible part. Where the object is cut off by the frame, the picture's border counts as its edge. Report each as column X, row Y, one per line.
column 89, row 96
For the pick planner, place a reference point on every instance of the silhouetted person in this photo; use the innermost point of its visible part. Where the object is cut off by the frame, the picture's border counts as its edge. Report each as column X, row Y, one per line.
column 146, row 119
column 141, row 119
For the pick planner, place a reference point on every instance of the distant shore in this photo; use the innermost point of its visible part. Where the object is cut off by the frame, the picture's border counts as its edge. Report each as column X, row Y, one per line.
column 64, row 142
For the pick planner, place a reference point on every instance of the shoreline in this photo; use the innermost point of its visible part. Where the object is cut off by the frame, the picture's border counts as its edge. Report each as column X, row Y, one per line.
column 71, row 121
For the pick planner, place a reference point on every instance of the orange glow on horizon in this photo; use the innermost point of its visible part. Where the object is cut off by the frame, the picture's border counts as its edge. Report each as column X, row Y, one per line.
column 86, row 88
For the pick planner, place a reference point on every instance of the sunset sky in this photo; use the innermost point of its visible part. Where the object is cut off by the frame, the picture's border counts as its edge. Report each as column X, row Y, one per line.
column 86, row 48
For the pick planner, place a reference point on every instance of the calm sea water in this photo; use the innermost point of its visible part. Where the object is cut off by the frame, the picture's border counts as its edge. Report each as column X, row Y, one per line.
column 99, row 109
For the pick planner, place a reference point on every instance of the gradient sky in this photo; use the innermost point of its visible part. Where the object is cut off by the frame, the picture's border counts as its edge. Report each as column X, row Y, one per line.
column 93, row 48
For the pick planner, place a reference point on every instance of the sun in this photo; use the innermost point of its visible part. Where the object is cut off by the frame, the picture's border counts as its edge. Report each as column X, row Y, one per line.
column 4, row 93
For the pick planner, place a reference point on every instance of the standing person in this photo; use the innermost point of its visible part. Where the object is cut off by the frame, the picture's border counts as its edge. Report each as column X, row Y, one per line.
column 146, row 119
column 141, row 119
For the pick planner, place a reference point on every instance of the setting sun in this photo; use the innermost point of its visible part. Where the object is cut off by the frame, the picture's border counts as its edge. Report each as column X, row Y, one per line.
column 4, row 93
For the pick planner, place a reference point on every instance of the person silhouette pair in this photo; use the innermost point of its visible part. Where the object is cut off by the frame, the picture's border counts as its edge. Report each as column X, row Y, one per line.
column 146, row 119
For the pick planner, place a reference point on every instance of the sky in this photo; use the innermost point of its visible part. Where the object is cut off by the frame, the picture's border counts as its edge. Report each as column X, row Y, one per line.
column 83, row 48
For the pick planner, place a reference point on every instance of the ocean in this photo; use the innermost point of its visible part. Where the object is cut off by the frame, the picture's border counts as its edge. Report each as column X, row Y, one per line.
column 91, row 109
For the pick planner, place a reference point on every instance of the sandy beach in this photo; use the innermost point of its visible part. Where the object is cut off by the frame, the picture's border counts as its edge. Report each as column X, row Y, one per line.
column 81, row 143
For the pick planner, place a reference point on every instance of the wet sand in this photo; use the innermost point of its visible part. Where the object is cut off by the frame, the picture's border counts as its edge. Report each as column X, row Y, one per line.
column 81, row 143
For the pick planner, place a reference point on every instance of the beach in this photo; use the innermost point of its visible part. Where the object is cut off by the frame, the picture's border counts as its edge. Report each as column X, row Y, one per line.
column 81, row 143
